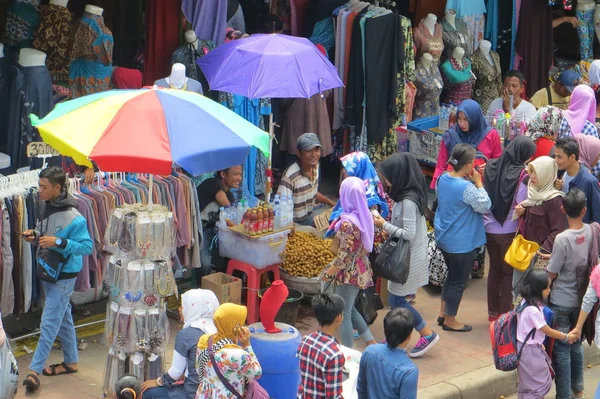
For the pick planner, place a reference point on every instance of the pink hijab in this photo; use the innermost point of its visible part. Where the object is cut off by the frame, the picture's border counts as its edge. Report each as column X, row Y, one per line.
column 581, row 108
column 589, row 149
column 353, row 199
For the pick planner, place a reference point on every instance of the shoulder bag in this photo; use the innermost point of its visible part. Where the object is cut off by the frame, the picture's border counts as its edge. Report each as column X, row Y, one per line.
column 50, row 263
column 393, row 261
column 253, row 389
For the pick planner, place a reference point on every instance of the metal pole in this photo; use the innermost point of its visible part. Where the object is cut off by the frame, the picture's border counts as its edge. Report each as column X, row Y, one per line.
column 33, row 334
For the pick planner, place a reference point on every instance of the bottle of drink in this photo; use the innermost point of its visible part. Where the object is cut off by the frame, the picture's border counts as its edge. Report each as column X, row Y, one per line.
column 284, row 213
column 277, row 214
column 271, row 219
column 265, row 211
column 246, row 221
column 222, row 217
column 259, row 227
column 240, row 213
column 290, row 210
column 253, row 222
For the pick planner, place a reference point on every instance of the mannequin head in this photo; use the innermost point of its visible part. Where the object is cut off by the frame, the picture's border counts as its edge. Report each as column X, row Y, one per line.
column 430, row 21
column 514, row 82
column 177, row 77
column 431, row 18
column 31, row 57
column 62, row 3
column 485, row 46
column 190, row 37
column 458, row 53
column 426, row 60
column 94, row 9
column 451, row 17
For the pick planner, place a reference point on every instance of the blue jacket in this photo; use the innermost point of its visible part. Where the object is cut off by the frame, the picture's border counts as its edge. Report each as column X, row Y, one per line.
column 60, row 218
column 588, row 183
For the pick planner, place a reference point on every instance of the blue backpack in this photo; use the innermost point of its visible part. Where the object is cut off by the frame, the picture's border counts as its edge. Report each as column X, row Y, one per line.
column 503, row 333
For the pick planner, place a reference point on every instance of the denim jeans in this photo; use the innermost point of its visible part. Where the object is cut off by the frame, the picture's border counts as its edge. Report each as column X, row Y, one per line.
column 567, row 360
column 459, row 268
column 396, row 301
column 157, row 393
column 208, row 234
column 351, row 316
column 56, row 321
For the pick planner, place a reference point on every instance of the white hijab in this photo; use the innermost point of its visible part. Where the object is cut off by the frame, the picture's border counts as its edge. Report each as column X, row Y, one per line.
column 594, row 73
column 198, row 308
column 546, row 170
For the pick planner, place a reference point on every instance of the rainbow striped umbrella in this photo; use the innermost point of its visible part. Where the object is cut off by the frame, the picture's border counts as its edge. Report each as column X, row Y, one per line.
column 150, row 130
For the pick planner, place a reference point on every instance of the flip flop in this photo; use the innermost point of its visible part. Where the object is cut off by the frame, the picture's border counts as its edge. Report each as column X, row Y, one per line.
column 67, row 370
column 31, row 385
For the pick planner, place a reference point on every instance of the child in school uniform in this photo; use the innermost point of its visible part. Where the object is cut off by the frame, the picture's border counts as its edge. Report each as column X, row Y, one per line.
column 533, row 371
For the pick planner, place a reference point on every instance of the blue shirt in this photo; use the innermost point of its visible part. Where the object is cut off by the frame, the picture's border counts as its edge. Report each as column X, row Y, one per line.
column 459, row 227
column 387, row 373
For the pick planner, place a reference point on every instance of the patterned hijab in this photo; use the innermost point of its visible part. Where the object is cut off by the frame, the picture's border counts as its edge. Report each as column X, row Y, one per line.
column 582, row 108
column 589, row 149
column 545, row 123
column 198, row 308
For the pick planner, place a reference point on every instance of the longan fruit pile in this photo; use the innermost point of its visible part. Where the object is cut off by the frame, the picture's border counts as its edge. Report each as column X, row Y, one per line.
column 306, row 255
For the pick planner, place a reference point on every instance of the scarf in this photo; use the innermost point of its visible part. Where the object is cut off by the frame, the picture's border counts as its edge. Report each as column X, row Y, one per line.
column 545, row 123
column 589, row 149
column 546, row 170
column 198, row 308
column 502, row 175
column 582, row 108
column 356, row 211
column 594, row 73
column 125, row 78
column 402, row 170
column 478, row 127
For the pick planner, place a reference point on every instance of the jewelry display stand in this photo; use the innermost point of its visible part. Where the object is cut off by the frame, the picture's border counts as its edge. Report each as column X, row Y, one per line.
column 138, row 280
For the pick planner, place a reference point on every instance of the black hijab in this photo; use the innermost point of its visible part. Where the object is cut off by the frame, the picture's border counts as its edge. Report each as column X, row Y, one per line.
column 408, row 182
column 502, row 174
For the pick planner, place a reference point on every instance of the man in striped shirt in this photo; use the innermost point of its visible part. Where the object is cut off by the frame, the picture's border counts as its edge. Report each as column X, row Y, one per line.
column 301, row 181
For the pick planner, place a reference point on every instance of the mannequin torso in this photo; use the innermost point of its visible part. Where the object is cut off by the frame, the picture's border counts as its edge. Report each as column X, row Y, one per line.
column 94, row 10
column 458, row 53
column 585, row 5
column 429, row 86
column 485, row 47
column 451, row 18
column 190, row 38
column 62, row 3
column 177, row 79
column 430, row 21
column 29, row 57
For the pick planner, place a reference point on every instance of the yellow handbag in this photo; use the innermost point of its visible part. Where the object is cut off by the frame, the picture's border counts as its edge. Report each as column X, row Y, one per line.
column 520, row 253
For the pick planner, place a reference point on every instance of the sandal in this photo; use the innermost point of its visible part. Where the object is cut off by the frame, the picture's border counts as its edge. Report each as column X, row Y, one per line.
column 68, row 370
column 32, row 384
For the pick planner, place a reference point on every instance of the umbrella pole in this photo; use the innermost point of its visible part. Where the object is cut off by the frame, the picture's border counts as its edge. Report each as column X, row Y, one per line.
column 150, row 192
column 269, row 185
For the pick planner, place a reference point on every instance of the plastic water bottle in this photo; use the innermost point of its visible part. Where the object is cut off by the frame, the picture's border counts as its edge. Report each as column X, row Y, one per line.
column 222, row 217
column 284, row 213
column 240, row 212
column 290, row 209
column 277, row 209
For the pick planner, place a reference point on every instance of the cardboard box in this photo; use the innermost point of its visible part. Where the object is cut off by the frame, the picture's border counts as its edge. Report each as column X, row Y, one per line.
column 322, row 221
column 227, row 288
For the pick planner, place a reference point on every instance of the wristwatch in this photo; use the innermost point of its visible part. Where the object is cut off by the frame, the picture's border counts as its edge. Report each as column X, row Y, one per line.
column 60, row 242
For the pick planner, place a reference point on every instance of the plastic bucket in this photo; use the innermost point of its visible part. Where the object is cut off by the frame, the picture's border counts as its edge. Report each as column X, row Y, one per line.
column 288, row 313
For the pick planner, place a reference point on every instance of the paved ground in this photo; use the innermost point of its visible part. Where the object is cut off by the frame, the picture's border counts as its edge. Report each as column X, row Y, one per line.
column 592, row 378
column 456, row 353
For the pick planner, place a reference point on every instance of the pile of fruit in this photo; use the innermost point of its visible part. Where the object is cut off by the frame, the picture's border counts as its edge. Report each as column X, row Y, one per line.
column 306, row 255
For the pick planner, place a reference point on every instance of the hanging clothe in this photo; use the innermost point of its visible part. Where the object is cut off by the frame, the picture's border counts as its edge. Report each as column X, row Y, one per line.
column 456, row 36
column 187, row 54
column 53, row 37
column 22, row 20
column 208, row 18
column 429, row 85
column 5, row 79
column 162, row 38
column 458, row 80
column 488, row 85
column 90, row 70
column 428, row 43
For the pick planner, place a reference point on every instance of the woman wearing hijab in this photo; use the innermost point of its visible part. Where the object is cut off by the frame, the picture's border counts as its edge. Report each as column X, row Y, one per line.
column 350, row 271
column 471, row 128
column 237, row 363
column 589, row 150
column 501, row 180
column 196, row 312
column 407, row 186
column 594, row 73
column 581, row 115
column 538, row 210
column 459, row 229
column 543, row 129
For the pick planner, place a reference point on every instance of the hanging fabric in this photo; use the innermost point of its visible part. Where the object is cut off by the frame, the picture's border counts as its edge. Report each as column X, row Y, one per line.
column 162, row 27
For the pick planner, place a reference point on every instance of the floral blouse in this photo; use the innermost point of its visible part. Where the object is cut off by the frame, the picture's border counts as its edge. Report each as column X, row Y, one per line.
column 237, row 365
column 352, row 259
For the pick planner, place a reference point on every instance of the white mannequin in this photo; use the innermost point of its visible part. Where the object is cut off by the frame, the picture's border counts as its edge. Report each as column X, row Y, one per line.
column 585, row 5
column 1, row 50
column 458, row 53
column 62, row 3
column 177, row 77
column 485, row 47
column 430, row 21
column 427, row 60
column 190, row 38
column 30, row 57
column 94, row 10
column 451, row 18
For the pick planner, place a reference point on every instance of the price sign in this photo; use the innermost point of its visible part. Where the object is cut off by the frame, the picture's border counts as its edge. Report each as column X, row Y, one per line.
column 37, row 149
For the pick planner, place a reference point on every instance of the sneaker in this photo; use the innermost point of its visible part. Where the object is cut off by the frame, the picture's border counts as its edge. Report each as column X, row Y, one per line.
column 423, row 345
column 356, row 335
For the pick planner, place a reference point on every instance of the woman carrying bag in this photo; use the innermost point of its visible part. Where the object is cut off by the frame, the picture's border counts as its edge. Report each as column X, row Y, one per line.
column 402, row 176
column 350, row 271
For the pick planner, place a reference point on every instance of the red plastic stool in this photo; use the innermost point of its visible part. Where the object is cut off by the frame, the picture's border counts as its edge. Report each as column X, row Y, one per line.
column 253, row 284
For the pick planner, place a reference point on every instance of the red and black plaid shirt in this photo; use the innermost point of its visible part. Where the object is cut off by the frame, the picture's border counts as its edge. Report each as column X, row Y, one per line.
column 321, row 367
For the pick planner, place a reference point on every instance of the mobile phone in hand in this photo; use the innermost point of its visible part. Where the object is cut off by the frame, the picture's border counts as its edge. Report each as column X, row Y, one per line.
column 375, row 213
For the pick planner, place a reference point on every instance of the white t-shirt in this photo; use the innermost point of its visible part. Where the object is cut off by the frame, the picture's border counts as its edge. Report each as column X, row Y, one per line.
column 524, row 112
column 566, row 180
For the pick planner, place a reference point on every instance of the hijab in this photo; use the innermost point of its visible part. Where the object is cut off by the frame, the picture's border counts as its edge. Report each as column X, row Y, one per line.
column 356, row 210
column 502, row 175
column 589, row 149
column 582, row 108
column 198, row 308
column 546, row 170
column 402, row 170
column 545, row 123
column 227, row 316
column 594, row 73
column 478, row 127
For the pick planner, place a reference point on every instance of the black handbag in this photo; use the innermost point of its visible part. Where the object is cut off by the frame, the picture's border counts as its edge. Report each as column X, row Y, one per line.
column 49, row 265
column 366, row 304
column 393, row 261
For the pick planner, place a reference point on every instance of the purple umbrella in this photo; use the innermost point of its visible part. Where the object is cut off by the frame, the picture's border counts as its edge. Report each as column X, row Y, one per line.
column 269, row 65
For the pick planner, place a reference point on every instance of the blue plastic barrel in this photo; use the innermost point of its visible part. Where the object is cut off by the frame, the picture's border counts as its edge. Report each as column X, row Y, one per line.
column 276, row 354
